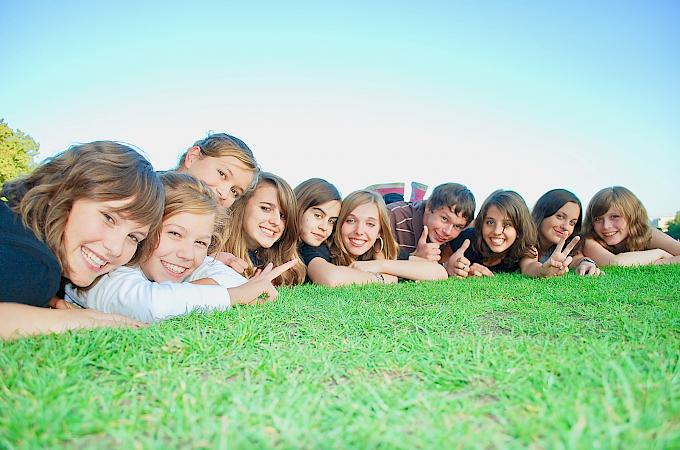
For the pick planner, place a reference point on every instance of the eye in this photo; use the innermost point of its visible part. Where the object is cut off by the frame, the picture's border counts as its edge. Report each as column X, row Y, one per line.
column 109, row 218
column 444, row 218
column 333, row 220
column 489, row 222
column 318, row 216
column 235, row 193
column 597, row 219
column 572, row 223
column 615, row 216
column 371, row 224
column 266, row 209
column 175, row 234
column 134, row 239
column 282, row 216
column 349, row 220
column 222, row 174
column 559, row 216
column 203, row 244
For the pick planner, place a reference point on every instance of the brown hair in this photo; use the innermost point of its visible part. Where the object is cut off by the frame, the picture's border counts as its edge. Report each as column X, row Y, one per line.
column 339, row 253
column 630, row 207
column 547, row 206
column 314, row 192
column 283, row 249
column 513, row 206
column 101, row 171
column 453, row 195
column 223, row 144
column 186, row 194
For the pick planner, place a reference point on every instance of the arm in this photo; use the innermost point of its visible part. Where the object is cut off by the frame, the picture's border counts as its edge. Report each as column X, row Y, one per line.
column 212, row 271
column 412, row 269
column 665, row 242
column 325, row 273
column 557, row 264
column 22, row 320
column 604, row 257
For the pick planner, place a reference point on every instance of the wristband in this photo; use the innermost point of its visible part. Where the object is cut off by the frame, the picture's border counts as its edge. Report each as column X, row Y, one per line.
column 586, row 259
column 379, row 276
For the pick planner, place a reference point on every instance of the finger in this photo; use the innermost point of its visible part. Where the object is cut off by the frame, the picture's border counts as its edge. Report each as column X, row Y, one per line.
column 282, row 268
column 268, row 268
column 567, row 261
column 256, row 274
column 423, row 237
column 571, row 245
column 580, row 270
column 461, row 250
column 558, row 247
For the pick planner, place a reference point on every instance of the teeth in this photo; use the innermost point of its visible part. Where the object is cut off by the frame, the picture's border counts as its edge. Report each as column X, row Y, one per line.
column 497, row 241
column 173, row 267
column 267, row 232
column 357, row 242
column 92, row 258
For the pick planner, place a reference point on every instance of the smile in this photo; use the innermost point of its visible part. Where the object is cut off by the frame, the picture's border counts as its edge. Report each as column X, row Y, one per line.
column 268, row 232
column 319, row 236
column 497, row 241
column 94, row 260
column 174, row 268
column 356, row 242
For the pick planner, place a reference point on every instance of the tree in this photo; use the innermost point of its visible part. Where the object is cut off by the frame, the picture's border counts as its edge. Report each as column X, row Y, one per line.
column 17, row 152
column 674, row 227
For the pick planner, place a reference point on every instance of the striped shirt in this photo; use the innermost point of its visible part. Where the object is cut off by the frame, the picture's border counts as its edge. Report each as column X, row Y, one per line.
column 407, row 223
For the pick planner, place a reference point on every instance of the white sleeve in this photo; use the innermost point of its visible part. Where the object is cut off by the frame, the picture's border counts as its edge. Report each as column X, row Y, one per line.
column 224, row 275
column 128, row 292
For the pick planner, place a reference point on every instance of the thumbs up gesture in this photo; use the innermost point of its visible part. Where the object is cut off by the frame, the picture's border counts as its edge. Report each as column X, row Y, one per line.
column 458, row 265
column 425, row 250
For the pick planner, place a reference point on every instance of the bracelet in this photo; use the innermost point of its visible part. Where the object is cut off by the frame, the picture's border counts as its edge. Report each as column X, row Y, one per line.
column 586, row 259
column 379, row 276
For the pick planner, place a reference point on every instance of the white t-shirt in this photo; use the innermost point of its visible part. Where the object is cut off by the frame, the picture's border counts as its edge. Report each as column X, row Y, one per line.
column 128, row 292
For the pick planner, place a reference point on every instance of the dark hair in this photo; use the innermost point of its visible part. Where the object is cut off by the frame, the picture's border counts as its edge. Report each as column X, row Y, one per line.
column 314, row 192
column 512, row 205
column 455, row 196
column 549, row 204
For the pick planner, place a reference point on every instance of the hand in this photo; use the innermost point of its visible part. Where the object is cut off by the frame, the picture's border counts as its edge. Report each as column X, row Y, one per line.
column 661, row 256
column 259, row 289
column 588, row 268
column 479, row 270
column 558, row 263
column 232, row 261
column 91, row 318
column 458, row 265
column 425, row 250
column 367, row 266
column 60, row 303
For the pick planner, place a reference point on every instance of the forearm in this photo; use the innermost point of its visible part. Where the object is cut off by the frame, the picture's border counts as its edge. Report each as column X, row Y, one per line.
column 413, row 269
column 342, row 276
column 23, row 320
column 533, row 269
column 638, row 258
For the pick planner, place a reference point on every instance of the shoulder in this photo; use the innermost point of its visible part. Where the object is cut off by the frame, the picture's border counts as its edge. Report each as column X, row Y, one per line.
column 308, row 253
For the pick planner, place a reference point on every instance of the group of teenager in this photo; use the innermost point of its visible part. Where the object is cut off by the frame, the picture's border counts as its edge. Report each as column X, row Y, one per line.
column 94, row 236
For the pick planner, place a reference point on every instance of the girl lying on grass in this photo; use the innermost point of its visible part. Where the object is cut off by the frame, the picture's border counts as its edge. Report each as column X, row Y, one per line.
column 617, row 232
column 223, row 162
column 557, row 216
column 504, row 240
column 179, row 276
column 79, row 215
column 363, row 248
column 265, row 230
column 318, row 204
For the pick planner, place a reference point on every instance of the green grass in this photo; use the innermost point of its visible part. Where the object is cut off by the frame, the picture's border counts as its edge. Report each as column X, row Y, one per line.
column 507, row 362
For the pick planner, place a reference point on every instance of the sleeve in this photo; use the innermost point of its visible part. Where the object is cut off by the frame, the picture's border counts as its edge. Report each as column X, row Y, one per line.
column 29, row 273
column 403, row 255
column 224, row 275
column 126, row 291
column 308, row 253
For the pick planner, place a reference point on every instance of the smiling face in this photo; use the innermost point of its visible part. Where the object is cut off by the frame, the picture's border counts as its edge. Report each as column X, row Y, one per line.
column 97, row 239
column 184, row 243
column 559, row 226
column 444, row 224
column 612, row 227
column 318, row 221
column 497, row 230
column 360, row 229
column 226, row 175
column 263, row 221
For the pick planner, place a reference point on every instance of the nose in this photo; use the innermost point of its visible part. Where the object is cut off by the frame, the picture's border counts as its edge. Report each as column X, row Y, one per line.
column 498, row 228
column 565, row 225
column 606, row 223
column 275, row 218
column 323, row 225
column 448, row 228
column 114, row 243
column 186, row 251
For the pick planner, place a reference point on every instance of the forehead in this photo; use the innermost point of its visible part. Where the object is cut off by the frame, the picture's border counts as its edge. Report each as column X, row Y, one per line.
column 570, row 209
column 448, row 211
column 265, row 193
column 197, row 224
column 495, row 213
column 365, row 211
column 331, row 208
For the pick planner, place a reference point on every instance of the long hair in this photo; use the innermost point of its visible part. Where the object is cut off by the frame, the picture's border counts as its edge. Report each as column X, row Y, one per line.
column 314, row 192
column 630, row 207
column 222, row 144
column 339, row 253
column 513, row 206
column 101, row 171
column 283, row 249
column 186, row 194
column 548, row 205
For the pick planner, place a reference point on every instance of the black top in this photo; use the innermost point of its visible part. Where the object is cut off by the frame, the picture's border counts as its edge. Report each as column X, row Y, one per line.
column 29, row 271
column 475, row 257
column 308, row 253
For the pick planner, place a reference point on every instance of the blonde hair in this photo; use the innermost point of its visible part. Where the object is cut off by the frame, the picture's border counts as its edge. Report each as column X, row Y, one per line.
column 186, row 194
column 630, row 207
column 222, row 144
column 99, row 171
column 283, row 249
column 339, row 253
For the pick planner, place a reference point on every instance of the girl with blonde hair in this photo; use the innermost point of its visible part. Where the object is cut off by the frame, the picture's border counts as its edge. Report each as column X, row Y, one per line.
column 363, row 249
column 178, row 276
column 617, row 232
column 265, row 229
column 80, row 215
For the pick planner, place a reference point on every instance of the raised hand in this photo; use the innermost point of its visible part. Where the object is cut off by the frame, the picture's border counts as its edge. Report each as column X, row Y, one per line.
column 260, row 289
column 425, row 250
column 458, row 265
column 232, row 261
column 558, row 263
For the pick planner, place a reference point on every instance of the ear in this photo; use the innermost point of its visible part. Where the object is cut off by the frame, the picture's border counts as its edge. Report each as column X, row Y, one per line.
column 193, row 155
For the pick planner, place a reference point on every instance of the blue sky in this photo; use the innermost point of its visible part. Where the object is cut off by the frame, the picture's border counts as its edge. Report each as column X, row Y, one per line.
column 520, row 95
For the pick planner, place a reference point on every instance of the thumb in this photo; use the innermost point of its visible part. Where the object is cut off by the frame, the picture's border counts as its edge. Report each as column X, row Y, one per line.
column 423, row 237
column 461, row 250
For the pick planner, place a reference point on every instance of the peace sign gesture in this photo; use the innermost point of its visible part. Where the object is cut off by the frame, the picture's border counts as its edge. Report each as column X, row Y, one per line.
column 259, row 289
column 558, row 263
column 425, row 250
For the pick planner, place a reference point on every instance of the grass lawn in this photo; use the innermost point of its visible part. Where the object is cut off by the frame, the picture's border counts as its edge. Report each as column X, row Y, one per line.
column 506, row 362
